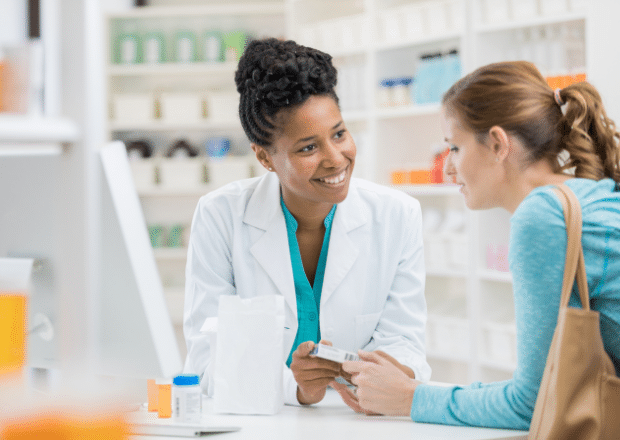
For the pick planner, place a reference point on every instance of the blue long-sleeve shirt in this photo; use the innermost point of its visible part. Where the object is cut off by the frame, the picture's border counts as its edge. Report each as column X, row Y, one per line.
column 536, row 258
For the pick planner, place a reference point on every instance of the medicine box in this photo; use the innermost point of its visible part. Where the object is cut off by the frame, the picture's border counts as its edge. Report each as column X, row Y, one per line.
column 143, row 173
column 185, row 108
column 133, row 108
column 222, row 106
column 182, row 173
column 229, row 169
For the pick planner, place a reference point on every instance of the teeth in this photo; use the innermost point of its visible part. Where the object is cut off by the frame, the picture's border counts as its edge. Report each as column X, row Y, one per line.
column 335, row 180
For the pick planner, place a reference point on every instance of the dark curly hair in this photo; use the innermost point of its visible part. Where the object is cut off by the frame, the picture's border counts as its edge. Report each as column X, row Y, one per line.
column 273, row 75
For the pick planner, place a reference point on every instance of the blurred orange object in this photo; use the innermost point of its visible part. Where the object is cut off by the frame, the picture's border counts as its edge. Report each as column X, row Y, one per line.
column 164, row 400
column 399, row 177
column 420, row 177
column 438, row 163
column 13, row 317
column 152, row 392
column 58, row 426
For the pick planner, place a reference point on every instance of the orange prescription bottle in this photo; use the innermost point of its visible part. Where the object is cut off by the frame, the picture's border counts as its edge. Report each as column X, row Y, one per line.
column 164, row 398
column 152, row 392
column 13, row 318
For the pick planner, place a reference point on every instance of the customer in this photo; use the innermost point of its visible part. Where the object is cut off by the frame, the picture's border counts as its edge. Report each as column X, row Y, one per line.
column 346, row 254
column 511, row 138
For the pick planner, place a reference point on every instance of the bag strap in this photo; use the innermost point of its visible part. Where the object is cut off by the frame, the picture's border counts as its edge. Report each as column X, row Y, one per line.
column 574, row 266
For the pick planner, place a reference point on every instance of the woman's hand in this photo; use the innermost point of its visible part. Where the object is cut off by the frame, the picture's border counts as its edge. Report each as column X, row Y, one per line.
column 382, row 387
column 312, row 374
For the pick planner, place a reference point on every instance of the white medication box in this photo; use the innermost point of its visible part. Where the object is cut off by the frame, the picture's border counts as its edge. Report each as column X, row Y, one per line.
column 333, row 353
column 133, row 108
column 185, row 108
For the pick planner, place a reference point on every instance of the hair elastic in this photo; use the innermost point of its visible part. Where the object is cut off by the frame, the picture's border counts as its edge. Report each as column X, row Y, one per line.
column 558, row 98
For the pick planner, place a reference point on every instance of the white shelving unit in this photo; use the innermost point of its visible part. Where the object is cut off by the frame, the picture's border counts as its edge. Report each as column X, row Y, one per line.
column 471, row 332
column 470, row 305
column 164, row 205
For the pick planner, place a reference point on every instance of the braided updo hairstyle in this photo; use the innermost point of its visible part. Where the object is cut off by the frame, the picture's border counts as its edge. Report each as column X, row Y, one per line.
column 274, row 75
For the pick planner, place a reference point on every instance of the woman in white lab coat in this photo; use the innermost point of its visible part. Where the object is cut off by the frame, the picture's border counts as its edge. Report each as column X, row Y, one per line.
column 345, row 254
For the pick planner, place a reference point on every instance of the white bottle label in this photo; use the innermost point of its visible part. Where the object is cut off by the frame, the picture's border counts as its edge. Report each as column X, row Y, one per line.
column 152, row 51
column 128, row 51
column 186, row 404
column 185, row 50
column 212, row 49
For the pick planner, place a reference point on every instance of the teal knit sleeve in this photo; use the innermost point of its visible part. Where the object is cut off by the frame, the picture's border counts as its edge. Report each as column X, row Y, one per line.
column 536, row 256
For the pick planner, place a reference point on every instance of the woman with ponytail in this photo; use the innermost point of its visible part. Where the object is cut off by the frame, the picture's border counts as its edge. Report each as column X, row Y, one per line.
column 346, row 254
column 511, row 138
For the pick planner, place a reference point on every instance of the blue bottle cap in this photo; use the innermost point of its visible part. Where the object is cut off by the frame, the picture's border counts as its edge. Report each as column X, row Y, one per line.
column 186, row 379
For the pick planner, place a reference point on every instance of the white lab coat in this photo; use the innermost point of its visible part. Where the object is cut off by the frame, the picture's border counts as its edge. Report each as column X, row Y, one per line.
column 373, row 288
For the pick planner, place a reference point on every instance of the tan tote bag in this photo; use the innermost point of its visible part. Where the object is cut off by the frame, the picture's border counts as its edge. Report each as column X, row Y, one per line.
column 579, row 397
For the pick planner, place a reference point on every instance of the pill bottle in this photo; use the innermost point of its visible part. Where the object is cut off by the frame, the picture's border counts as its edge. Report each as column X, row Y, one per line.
column 164, row 405
column 186, row 399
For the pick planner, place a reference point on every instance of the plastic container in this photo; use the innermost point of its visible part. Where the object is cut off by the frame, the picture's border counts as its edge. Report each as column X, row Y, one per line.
column 164, row 398
column 186, row 399
column 212, row 47
column 185, row 47
column 154, row 48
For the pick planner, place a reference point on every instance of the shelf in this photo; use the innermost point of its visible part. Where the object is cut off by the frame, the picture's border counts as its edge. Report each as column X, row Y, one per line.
column 197, row 68
column 446, row 273
column 223, row 8
column 495, row 275
column 408, row 111
column 446, row 357
column 173, row 193
column 159, row 125
column 497, row 365
column 29, row 129
column 438, row 190
column 530, row 22
column 429, row 39
column 353, row 116
column 163, row 253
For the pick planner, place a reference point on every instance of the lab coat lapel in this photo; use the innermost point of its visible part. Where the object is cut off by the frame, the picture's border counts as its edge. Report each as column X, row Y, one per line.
column 343, row 251
column 271, row 250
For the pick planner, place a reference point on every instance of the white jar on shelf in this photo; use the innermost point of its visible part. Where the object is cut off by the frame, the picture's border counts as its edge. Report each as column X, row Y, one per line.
column 181, row 174
column 437, row 15
column 414, row 17
column 524, row 9
column 180, row 107
column 495, row 11
column 552, row 7
column 133, row 108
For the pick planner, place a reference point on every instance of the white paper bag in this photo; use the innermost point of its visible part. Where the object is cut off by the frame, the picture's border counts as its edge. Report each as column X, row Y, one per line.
column 249, row 355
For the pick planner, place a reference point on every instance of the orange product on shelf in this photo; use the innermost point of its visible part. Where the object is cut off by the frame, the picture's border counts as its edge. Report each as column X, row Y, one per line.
column 420, row 177
column 438, row 163
column 399, row 177
column 13, row 317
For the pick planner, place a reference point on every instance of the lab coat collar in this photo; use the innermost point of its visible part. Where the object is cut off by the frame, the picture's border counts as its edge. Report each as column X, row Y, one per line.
column 271, row 249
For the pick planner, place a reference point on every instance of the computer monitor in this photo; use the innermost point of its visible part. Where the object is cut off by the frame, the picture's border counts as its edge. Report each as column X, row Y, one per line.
column 135, row 337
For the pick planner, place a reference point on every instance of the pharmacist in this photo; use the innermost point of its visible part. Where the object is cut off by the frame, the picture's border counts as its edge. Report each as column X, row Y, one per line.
column 346, row 254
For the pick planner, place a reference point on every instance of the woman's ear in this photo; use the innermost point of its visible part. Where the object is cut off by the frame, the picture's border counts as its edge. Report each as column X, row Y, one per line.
column 499, row 142
column 262, row 155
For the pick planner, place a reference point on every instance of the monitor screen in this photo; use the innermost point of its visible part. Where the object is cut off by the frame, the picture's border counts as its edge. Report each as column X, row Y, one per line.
column 135, row 337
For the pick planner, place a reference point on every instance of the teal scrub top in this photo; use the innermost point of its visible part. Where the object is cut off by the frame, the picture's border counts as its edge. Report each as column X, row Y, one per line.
column 308, row 297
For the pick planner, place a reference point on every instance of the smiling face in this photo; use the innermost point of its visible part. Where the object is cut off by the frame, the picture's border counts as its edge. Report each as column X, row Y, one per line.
column 471, row 164
column 313, row 155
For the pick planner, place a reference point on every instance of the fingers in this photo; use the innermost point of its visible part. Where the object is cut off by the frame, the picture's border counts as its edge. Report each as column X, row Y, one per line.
column 324, row 342
column 372, row 356
column 303, row 349
column 347, row 396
